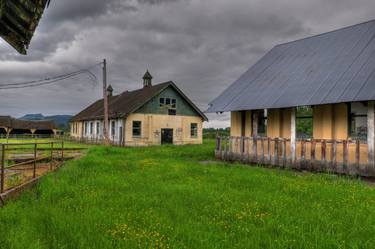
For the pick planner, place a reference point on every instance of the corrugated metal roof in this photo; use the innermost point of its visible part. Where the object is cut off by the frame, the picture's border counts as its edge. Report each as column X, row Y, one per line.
column 18, row 21
column 334, row 67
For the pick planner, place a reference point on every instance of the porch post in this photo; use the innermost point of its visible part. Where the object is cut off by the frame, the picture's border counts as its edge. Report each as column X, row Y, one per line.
column 293, row 135
column 370, row 132
column 254, row 114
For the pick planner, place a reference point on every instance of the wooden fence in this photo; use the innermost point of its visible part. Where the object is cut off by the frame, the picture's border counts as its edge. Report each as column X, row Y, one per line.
column 26, row 161
column 320, row 155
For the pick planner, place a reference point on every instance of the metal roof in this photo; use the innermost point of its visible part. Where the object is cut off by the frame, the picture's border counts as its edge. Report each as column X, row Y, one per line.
column 127, row 102
column 334, row 67
column 18, row 21
column 9, row 122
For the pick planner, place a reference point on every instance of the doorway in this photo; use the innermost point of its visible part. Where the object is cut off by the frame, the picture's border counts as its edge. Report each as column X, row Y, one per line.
column 166, row 136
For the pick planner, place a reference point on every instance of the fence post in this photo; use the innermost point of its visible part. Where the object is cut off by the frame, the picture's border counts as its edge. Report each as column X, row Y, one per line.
column 313, row 153
column 269, row 150
column 62, row 152
column 262, row 149
column 276, row 152
column 51, row 159
column 324, row 153
column 358, row 154
column 345, row 155
column 284, row 152
column 303, row 153
column 255, row 150
column 334, row 155
column 2, row 168
column 34, row 168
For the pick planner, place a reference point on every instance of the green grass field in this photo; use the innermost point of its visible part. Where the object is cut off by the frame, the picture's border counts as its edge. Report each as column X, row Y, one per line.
column 177, row 197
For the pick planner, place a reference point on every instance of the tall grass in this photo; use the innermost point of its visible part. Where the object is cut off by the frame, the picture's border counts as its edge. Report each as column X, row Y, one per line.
column 178, row 197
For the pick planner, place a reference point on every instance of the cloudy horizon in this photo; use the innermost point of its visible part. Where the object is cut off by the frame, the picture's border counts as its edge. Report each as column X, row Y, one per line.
column 203, row 46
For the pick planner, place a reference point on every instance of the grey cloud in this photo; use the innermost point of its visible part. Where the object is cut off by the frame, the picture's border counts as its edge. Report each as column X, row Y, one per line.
column 201, row 45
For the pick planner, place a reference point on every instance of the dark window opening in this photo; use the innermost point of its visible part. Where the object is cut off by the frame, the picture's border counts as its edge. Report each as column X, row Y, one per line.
column 194, row 130
column 262, row 122
column 357, row 120
column 168, row 102
column 172, row 112
column 304, row 122
column 113, row 128
column 162, row 101
column 137, row 128
column 91, row 128
column 97, row 128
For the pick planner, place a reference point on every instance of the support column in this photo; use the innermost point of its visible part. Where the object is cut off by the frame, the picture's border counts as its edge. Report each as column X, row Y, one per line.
column 293, row 135
column 254, row 114
column 243, row 123
column 371, row 132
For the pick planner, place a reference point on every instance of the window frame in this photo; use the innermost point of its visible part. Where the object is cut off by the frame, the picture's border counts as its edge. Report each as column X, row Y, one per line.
column 91, row 128
column 350, row 120
column 97, row 128
column 305, row 117
column 193, row 131
column 264, row 118
column 113, row 128
column 137, row 128
column 172, row 112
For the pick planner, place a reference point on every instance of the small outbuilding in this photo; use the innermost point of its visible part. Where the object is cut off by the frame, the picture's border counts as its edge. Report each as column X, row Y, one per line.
column 307, row 102
column 12, row 126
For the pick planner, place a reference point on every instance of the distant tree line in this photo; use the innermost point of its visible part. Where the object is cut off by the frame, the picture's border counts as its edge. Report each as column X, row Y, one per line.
column 210, row 133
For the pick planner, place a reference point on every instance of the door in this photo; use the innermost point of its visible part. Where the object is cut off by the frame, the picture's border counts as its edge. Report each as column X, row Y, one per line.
column 166, row 136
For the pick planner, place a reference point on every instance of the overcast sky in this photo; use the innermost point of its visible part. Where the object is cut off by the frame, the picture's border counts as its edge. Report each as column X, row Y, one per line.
column 201, row 45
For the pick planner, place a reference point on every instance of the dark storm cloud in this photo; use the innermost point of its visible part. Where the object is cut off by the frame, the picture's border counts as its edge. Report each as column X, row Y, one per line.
column 202, row 45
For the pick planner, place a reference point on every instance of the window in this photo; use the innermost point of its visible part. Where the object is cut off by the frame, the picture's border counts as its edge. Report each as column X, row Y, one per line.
column 86, row 128
column 172, row 112
column 162, row 102
column 194, row 130
column 137, row 128
column 262, row 122
column 304, row 122
column 171, row 103
column 91, row 128
column 113, row 128
column 357, row 120
column 97, row 128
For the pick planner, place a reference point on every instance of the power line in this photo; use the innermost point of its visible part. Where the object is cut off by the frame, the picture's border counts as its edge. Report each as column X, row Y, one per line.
column 49, row 80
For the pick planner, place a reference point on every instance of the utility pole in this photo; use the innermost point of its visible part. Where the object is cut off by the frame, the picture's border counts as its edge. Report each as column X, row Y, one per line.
column 105, row 97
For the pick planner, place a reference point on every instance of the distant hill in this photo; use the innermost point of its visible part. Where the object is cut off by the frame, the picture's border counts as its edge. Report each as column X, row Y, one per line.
column 62, row 121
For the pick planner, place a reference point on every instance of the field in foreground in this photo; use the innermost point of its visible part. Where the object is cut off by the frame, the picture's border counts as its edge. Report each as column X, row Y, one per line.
column 177, row 197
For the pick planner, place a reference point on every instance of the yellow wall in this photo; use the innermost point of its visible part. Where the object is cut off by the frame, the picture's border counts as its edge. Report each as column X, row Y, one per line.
column 77, row 134
column 152, row 125
column 329, row 122
column 151, row 129
column 236, row 124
